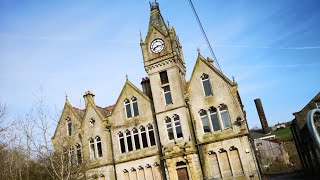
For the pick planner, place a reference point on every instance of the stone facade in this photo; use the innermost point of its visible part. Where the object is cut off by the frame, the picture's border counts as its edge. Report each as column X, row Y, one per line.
column 173, row 129
column 308, row 153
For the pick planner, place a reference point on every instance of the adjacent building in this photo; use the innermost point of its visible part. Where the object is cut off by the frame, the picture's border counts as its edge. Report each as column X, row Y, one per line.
column 307, row 150
column 172, row 129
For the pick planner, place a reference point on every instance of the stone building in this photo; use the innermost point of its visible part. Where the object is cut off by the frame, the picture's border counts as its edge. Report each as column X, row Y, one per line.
column 308, row 153
column 173, row 129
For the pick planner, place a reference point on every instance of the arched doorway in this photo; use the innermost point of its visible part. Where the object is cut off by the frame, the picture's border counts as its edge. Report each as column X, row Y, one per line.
column 182, row 171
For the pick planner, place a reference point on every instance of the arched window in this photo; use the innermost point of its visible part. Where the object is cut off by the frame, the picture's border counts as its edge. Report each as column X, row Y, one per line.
column 151, row 135
column 136, row 138
column 92, row 121
column 204, row 120
column 99, row 146
column 169, row 128
column 69, row 126
column 135, row 106
column 235, row 161
column 121, row 141
column 128, row 108
column 225, row 116
column 71, row 154
column 92, row 149
column 214, row 119
column 129, row 140
column 177, row 126
column 206, row 85
column 144, row 136
column 79, row 153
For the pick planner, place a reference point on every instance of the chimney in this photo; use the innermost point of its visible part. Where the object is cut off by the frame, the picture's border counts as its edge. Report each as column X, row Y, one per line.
column 88, row 95
column 262, row 116
column 146, row 88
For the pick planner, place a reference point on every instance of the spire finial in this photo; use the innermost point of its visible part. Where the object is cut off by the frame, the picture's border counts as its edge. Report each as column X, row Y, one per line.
column 66, row 95
column 198, row 50
column 233, row 79
column 141, row 37
column 126, row 77
column 168, row 23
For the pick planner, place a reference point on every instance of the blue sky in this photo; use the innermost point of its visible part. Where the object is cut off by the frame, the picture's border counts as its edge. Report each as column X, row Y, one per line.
column 272, row 48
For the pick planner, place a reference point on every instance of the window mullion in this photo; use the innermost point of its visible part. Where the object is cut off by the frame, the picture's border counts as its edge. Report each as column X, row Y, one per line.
column 125, row 142
column 220, row 119
column 174, row 129
column 133, row 141
column 210, row 121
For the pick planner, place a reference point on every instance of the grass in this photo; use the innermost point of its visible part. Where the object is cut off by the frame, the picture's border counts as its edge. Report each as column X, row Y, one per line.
column 283, row 134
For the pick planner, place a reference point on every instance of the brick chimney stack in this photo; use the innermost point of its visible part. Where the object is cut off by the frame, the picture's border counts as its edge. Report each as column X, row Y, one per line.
column 262, row 116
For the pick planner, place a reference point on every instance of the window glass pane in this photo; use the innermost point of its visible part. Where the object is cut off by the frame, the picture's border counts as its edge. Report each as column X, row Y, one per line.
column 128, row 110
column 135, row 108
column 129, row 141
column 136, row 141
column 69, row 128
column 179, row 132
column 170, row 133
column 167, row 95
column 92, row 151
column 151, row 137
column 207, row 87
column 79, row 156
column 122, row 147
column 144, row 139
column 205, row 123
column 225, row 119
column 164, row 77
column 215, row 122
column 99, row 147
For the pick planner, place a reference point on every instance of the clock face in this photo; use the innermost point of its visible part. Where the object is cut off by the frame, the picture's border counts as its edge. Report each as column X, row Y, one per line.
column 157, row 45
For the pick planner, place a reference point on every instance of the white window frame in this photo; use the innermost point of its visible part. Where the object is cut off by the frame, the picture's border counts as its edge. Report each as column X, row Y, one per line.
column 173, row 126
column 220, row 117
column 209, row 120
column 69, row 133
column 92, row 152
column 148, row 135
column 134, row 141
column 164, row 94
column 96, row 145
column 124, row 142
column 134, row 100
column 206, row 77
column 78, row 147
column 125, row 108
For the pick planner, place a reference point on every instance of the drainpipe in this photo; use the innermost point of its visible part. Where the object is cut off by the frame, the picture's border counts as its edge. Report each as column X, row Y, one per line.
column 195, row 138
column 113, row 160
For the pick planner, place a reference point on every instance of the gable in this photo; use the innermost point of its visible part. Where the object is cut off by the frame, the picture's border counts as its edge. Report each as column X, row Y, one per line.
column 129, row 90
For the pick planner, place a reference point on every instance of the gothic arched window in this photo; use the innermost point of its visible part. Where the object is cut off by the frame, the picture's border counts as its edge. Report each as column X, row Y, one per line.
column 129, row 141
column 206, row 85
column 99, row 146
column 225, row 117
column 214, row 119
column 205, row 121
column 144, row 136
column 136, row 138
column 128, row 108
column 121, row 141
column 92, row 149
column 79, row 153
column 151, row 135
column 177, row 125
column 69, row 126
column 135, row 106
column 169, row 128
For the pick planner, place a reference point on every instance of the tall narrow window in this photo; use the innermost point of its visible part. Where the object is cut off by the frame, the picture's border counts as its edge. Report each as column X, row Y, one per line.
column 144, row 137
column 214, row 119
column 79, row 154
column 169, row 128
column 121, row 141
column 99, row 146
column 71, row 154
column 92, row 149
column 135, row 106
column 167, row 95
column 214, row 165
column 177, row 126
column 225, row 116
column 129, row 140
column 136, row 138
column 164, row 77
column 151, row 135
column 204, row 120
column 69, row 126
column 128, row 108
column 206, row 85
column 235, row 161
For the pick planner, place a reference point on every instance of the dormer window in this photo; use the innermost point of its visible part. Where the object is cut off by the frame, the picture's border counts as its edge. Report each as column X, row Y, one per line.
column 206, row 85
column 318, row 104
column 69, row 126
column 225, row 117
column 128, row 108
column 131, row 107
column 92, row 121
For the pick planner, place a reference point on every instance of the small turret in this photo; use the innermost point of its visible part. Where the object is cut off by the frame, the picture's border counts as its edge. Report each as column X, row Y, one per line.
column 88, row 95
